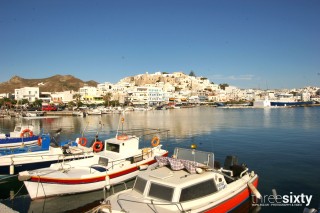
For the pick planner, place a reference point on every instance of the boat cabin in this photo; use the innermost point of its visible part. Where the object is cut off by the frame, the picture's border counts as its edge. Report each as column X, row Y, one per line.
column 171, row 185
column 122, row 144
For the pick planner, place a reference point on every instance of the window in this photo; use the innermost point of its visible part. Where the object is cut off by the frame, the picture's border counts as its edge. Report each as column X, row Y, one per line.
column 140, row 185
column 199, row 190
column 161, row 192
column 112, row 147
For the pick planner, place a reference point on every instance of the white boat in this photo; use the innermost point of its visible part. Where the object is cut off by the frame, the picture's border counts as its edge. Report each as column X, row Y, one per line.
column 79, row 113
column 22, row 135
column 119, row 159
column 189, row 182
column 49, row 151
column 94, row 112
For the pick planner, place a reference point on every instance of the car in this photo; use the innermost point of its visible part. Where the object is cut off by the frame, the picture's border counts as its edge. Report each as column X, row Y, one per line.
column 49, row 108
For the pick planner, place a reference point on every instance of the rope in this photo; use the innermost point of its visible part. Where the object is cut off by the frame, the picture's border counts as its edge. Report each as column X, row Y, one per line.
column 10, row 176
column 11, row 198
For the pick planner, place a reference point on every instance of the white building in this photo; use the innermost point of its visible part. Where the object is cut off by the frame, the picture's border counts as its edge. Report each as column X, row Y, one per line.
column 62, row 97
column 29, row 93
column 89, row 95
column 146, row 96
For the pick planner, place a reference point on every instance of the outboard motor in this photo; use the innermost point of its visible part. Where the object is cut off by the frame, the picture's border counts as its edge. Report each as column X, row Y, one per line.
column 230, row 161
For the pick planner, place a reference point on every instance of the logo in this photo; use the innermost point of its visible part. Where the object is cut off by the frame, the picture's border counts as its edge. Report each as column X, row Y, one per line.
column 290, row 199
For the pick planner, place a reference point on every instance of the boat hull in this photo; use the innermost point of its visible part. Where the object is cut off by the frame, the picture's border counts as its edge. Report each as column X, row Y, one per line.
column 234, row 201
column 18, row 142
column 294, row 103
column 48, row 186
column 38, row 162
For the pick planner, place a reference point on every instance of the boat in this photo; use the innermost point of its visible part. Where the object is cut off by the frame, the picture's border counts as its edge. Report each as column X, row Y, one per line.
column 48, row 151
column 22, row 135
column 190, row 181
column 290, row 103
column 79, row 113
column 117, row 159
column 94, row 112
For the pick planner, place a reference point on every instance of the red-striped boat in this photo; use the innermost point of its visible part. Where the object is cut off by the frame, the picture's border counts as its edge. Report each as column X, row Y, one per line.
column 119, row 159
column 188, row 182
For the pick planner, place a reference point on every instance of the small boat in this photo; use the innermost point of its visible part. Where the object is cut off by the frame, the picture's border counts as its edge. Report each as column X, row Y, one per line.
column 94, row 112
column 48, row 151
column 79, row 113
column 117, row 159
column 21, row 136
column 191, row 181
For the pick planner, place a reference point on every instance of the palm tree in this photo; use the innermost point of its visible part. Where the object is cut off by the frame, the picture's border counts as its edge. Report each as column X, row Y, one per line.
column 77, row 97
column 107, row 98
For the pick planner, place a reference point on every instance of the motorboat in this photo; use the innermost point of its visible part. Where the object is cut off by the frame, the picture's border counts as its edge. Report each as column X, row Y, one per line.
column 48, row 151
column 117, row 159
column 94, row 112
column 22, row 135
column 190, row 181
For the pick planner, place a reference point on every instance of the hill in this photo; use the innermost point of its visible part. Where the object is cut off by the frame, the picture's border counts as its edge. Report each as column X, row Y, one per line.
column 56, row 83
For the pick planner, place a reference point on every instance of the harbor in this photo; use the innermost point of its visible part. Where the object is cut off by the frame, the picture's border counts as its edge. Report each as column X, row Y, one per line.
column 274, row 142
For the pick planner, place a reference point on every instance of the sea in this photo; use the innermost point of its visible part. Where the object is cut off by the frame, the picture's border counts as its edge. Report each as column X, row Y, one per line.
column 281, row 145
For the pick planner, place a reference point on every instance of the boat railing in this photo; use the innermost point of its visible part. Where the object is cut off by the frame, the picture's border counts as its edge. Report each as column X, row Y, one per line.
column 151, row 204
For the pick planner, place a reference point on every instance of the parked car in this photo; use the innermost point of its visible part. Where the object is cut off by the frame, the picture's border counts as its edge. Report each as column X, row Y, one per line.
column 49, row 108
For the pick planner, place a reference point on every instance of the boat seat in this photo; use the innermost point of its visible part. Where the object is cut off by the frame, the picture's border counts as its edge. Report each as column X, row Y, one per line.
column 103, row 161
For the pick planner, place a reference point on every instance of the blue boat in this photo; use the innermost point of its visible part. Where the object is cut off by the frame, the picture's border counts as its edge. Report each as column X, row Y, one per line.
column 290, row 103
column 21, row 136
column 48, row 151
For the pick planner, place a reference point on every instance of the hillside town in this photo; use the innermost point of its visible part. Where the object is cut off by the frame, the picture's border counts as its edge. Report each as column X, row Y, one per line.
column 159, row 89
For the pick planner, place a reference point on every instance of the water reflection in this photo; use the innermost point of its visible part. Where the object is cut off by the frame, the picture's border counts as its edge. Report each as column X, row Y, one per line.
column 276, row 143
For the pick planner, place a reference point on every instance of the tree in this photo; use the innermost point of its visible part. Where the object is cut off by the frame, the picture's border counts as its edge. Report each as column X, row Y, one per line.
column 77, row 97
column 37, row 103
column 192, row 73
column 223, row 86
column 107, row 98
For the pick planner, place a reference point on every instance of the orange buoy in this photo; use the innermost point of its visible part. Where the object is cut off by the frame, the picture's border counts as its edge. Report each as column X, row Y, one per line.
column 26, row 131
column 97, row 146
column 83, row 141
column 155, row 141
column 39, row 141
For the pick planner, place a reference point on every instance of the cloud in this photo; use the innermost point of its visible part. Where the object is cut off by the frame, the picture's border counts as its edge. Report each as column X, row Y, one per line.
column 233, row 77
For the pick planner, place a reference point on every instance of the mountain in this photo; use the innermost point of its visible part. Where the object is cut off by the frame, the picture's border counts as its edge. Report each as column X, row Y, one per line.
column 56, row 83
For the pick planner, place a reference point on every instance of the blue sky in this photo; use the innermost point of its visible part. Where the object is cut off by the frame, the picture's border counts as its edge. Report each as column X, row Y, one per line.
column 245, row 43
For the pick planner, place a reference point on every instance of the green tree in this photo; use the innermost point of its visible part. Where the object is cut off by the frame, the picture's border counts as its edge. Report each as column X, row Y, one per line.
column 192, row 73
column 107, row 98
column 223, row 86
column 77, row 97
column 37, row 103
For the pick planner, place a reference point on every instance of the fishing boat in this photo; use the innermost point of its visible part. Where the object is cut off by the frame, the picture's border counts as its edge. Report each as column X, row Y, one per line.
column 190, row 181
column 117, row 159
column 48, row 151
column 22, row 135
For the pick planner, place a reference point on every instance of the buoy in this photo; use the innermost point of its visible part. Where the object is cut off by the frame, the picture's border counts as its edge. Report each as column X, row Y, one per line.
column 107, row 180
column 155, row 141
column 11, row 169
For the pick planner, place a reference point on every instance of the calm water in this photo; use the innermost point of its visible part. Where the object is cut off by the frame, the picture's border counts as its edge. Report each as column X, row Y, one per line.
column 281, row 145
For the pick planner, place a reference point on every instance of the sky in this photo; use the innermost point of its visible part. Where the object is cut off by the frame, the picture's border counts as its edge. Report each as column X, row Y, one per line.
column 266, row 44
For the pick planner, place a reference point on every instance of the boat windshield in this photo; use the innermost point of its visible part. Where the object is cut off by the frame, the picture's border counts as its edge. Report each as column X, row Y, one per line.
column 140, row 185
column 198, row 190
column 161, row 192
